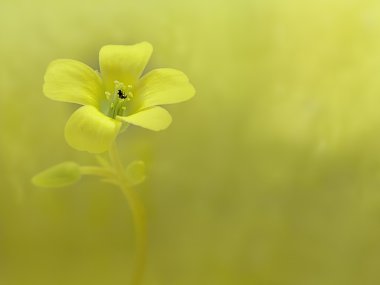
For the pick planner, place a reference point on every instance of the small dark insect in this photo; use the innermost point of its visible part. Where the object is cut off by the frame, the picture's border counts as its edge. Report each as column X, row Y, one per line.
column 121, row 94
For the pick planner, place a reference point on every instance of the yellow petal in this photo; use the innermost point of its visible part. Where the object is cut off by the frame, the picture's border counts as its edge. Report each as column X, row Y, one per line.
column 90, row 130
column 155, row 119
column 123, row 63
column 72, row 81
column 163, row 86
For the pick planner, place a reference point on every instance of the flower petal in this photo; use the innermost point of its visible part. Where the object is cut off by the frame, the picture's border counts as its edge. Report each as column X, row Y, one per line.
column 124, row 63
column 163, row 86
column 155, row 119
column 90, row 130
column 72, row 81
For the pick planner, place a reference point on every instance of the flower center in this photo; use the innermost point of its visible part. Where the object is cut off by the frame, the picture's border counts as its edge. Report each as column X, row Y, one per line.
column 117, row 101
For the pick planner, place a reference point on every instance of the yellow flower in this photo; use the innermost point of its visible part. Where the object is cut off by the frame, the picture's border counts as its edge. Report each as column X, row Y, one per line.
column 116, row 96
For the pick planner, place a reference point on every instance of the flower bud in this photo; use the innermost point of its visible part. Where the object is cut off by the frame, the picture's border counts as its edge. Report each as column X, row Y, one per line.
column 60, row 175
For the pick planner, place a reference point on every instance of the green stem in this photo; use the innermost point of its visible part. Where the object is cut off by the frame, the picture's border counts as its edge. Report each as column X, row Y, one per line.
column 138, row 214
column 98, row 171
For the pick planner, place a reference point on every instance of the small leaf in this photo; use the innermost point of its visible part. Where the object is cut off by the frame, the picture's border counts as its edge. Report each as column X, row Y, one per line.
column 135, row 172
column 60, row 175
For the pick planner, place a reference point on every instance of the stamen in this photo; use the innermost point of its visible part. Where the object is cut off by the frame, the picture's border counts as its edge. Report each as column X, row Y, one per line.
column 118, row 100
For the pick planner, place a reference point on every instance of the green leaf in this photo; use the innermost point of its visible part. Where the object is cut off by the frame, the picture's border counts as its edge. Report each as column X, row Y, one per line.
column 60, row 175
column 135, row 172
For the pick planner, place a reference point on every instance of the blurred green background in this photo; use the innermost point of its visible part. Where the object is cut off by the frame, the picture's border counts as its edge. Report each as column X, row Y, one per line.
column 270, row 175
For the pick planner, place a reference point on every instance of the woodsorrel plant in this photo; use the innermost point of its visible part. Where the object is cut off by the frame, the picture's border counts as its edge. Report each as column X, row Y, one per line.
column 111, row 100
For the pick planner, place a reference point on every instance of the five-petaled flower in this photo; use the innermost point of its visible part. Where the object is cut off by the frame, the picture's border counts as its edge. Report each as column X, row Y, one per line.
column 116, row 96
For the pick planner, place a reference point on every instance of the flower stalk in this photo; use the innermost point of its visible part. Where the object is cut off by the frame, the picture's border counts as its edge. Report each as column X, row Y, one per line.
column 138, row 215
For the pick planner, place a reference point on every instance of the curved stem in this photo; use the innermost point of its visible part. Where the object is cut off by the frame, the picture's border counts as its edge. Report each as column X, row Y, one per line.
column 138, row 214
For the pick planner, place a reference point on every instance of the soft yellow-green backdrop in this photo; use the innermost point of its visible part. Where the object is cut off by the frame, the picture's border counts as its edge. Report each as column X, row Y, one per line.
column 270, row 175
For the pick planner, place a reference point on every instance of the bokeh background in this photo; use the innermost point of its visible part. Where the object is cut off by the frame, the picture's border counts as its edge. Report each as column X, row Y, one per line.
column 270, row 175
